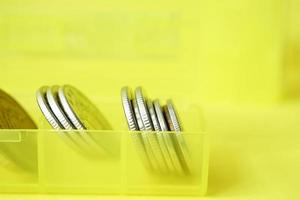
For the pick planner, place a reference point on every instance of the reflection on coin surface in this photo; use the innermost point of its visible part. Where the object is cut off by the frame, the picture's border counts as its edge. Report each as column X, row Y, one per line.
column 126, row 97
column 161, row 149
column 80, row 110
column 52, row 97
column 181, row 146
column 13, row 116
column 46, row 110
column 166, row 137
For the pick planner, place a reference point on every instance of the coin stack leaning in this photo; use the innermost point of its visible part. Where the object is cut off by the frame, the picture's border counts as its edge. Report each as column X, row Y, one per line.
column 65, row 107
column 160, row 150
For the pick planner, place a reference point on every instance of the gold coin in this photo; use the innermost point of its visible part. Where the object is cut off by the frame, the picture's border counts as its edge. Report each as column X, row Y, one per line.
column 13, row 116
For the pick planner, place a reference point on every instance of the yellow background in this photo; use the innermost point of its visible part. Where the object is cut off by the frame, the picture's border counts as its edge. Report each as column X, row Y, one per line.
column 237, row 59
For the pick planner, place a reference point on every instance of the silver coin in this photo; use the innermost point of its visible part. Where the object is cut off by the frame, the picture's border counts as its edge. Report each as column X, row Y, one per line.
column 54, row 103
column 175, row 125
column 81, row 111
column 73, row 140
column 137, row 115
column 126, row 98
column 52, row 97
column 148, row 125
column 160, row 146
column 179, row 141
column 145, row 138
column 160, row 116
column 45, row 108
column 166, row 138
column 141, row 103
column 153, row 116
column 84, row 115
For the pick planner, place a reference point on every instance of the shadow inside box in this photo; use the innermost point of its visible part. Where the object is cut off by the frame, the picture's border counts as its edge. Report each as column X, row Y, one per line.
column 291, row 62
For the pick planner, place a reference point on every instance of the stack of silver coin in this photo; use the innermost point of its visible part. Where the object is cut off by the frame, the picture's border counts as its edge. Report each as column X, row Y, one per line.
column 161, row 151
column 65, row 107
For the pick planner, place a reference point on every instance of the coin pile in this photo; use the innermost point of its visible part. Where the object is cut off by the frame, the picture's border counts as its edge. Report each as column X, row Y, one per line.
column 65, row 107
column 160, row 150
column 157, row 132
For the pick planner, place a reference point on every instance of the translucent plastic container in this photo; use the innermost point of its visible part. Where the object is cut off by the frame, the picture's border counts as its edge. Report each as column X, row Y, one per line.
column 47, row 161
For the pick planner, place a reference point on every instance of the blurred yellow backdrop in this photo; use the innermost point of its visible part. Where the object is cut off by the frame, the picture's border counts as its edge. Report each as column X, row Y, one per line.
column 221, row 51
column 239, row 59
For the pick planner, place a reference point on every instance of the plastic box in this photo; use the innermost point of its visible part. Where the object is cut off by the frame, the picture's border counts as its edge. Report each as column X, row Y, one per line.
column 45, row 161
column 57, row 168
column 99, row 47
